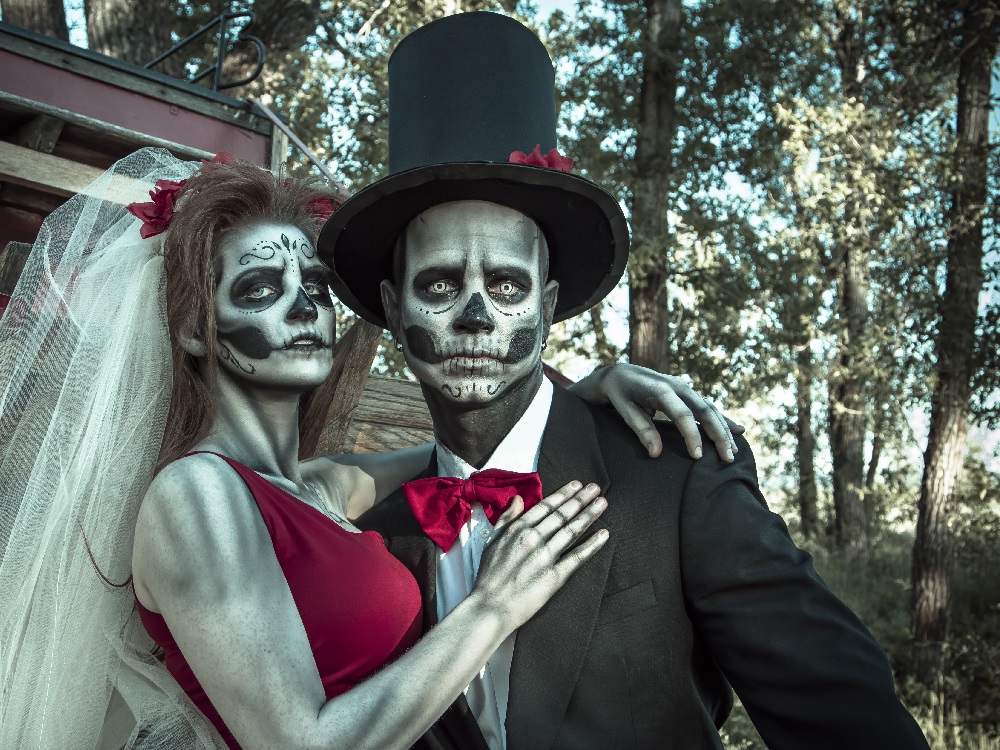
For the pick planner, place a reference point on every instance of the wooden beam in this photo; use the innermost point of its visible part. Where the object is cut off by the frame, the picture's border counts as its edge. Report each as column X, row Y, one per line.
column 18, row 225
column 279, row 151
column 50, row 174
column 391, row 414
column 132, row 78
column 26, row 199
column 41, row 133
column 105, row 128
column 45, row 172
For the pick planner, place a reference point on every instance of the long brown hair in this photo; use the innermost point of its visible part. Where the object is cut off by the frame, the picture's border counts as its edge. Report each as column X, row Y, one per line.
column 218, row 198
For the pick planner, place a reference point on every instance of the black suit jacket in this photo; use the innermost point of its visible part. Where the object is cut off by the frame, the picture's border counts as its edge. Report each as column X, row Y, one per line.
column 698, row 587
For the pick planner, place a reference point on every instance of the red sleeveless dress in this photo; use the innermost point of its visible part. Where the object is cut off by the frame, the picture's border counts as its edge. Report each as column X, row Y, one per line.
column 360, row 606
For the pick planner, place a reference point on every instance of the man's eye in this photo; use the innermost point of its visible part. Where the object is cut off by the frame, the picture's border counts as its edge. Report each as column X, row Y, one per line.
column 441, row 287
column 506, row 288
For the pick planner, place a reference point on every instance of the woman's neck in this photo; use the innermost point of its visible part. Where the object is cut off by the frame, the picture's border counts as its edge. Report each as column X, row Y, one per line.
column 258, row 427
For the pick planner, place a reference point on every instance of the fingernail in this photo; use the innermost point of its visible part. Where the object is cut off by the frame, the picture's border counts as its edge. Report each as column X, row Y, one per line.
column 729, row 454
column 603, row 535
column 575, row 485
column 601, row 503
column 697, row 452
column 592, row 487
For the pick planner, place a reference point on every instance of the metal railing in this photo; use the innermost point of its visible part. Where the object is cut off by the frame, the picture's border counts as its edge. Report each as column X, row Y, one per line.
column 222, row 22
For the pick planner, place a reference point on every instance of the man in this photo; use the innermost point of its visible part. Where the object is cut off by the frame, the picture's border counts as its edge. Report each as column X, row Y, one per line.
column 468, row 254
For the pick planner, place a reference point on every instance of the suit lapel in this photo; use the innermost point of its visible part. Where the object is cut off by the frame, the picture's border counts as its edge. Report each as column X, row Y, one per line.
column 457, row 728
column 408, row 543
column 550, row 648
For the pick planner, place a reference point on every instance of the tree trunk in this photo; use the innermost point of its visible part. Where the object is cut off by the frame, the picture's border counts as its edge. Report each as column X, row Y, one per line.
column 932, row 549
column 805, row 444
column 284, row 27
column 656, row 129
column 848, row 408
column 131, row 31
column 41, row 16
column 603, row 349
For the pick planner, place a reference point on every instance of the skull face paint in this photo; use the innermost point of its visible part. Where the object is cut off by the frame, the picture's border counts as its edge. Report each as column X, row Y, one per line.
column 472, row 308
column 273, row 307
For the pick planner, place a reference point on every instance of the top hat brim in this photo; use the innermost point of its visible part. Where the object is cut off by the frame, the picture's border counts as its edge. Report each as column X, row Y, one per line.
column 583, row 225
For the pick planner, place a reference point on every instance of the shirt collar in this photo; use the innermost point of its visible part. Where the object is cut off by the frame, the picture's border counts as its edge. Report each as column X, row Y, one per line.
column 518, row 451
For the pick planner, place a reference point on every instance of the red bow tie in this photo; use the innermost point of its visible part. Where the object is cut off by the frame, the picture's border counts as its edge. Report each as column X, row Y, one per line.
column 443, row 505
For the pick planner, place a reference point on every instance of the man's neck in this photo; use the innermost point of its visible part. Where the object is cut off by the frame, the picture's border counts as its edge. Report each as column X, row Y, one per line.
column 474, row 434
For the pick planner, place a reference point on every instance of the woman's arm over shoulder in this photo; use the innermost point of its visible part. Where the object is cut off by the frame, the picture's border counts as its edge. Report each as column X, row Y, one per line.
column 371, row 477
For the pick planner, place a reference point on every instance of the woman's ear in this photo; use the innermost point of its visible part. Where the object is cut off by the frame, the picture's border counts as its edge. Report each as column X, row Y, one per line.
column 191, row 342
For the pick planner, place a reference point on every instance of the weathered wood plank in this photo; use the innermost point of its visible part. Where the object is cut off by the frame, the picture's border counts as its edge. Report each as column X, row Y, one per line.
column 367, row 437
column 391, row 414
column 138, row 81
column 394, row 401
column 41, row 133
column 28, row 200
column 127, row 135
column 52, row 174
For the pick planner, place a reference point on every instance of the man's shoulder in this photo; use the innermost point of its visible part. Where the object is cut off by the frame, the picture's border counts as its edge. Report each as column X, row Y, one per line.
column 389, row 517
column 622, row 449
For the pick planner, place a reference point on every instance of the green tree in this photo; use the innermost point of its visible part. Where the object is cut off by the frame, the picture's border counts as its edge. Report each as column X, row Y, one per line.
column 975, row 33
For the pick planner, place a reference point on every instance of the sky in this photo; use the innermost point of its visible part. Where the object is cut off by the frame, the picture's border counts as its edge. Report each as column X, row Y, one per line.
column 545, row 7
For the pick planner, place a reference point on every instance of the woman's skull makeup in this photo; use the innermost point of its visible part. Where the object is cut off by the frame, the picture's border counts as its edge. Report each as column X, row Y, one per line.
column 472, row 308
column 274, row 311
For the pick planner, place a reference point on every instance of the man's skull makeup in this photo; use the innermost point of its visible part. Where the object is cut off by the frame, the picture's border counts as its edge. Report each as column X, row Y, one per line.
column 472, row 308
column 274, row 310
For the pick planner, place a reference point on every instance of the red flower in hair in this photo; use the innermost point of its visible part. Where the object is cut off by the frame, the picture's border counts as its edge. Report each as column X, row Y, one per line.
column 223, row 157
column 551, row 160
column 323, row 208
column 156, row 214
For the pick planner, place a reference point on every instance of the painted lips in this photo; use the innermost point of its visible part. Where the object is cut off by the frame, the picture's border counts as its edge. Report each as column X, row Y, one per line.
column 306, row 343
column 473, row 364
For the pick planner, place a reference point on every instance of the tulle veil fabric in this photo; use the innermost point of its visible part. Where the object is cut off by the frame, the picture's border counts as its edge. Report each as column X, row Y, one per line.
column 85, row 375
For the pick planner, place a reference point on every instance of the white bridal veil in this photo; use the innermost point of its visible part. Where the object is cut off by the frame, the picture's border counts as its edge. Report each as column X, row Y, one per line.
column 85, row 375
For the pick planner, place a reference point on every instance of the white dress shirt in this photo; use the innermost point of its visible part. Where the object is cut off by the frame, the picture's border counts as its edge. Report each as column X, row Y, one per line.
column 458, row 567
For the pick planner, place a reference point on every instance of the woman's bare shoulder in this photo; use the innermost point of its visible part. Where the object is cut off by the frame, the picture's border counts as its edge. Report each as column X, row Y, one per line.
column 196, row 484
column 197, row 514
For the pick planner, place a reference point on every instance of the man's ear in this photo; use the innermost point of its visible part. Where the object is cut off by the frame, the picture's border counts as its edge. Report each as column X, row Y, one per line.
column 390, row 302
column 550, row 293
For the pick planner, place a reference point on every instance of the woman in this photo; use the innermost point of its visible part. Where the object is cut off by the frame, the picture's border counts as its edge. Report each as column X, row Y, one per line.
column 237, row 308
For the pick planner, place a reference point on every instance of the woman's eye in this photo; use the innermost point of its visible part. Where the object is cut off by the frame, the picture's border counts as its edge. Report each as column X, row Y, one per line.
column 259, row 292
column 441, row 287
column 319, row 292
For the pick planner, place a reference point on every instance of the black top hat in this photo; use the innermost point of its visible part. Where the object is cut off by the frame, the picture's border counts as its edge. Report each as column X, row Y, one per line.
column 464, row 93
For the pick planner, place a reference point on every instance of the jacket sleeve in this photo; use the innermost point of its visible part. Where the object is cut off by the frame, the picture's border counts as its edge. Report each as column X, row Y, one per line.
column 807, row 670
